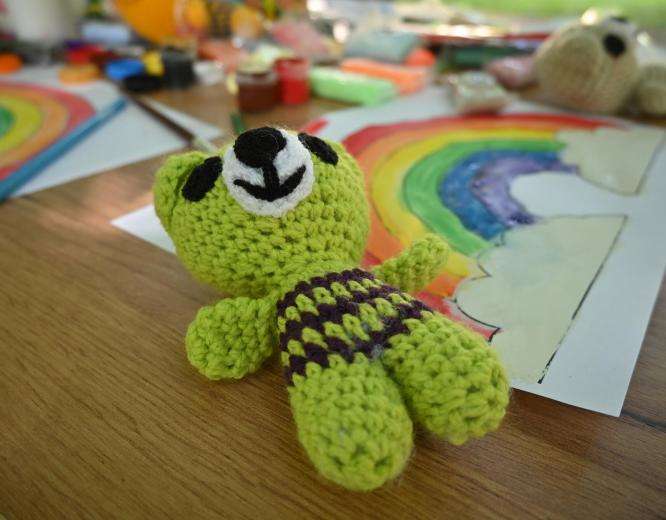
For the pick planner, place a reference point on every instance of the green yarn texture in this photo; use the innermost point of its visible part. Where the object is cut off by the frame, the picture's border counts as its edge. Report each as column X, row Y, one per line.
column 247, row 328
column 419, row 265
column 353, row 423
column 362, row 358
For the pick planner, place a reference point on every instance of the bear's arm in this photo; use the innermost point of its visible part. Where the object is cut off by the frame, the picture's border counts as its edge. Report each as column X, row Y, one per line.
column 233, row 337
column 416, row 266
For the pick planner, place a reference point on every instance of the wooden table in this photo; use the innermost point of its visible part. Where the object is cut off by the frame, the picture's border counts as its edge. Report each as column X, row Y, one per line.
column 101, row 416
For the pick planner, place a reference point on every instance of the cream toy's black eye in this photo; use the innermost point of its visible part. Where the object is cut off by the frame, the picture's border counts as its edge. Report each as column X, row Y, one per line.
column 614, row 45
column 268, row 171
column 319, row 147
column 202, row 179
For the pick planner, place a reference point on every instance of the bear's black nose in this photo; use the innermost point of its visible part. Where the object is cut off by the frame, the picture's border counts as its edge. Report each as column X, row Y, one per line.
column 614, row 45
column 258, row 148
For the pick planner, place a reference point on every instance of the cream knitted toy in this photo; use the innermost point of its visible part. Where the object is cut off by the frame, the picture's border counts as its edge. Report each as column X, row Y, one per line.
column 595, row 67
column 279, row 223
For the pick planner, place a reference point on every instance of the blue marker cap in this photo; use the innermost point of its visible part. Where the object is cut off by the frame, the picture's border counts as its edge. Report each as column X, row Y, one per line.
column 117, row 70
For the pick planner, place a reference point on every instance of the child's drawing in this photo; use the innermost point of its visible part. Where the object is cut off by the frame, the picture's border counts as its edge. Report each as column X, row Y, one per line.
column 517, row 276
column 556, row 223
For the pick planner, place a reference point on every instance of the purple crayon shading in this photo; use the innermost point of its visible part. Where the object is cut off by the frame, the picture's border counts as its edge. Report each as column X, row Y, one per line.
column 492, row 184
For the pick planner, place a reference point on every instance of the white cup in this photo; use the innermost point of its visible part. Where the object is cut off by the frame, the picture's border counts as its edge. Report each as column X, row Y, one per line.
column 44, row 21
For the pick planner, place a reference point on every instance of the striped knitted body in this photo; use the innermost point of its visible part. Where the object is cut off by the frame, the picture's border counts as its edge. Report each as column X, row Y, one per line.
column 360, row 357
column 340, row 315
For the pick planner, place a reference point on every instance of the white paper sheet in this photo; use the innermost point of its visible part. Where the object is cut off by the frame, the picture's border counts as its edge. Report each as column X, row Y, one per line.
column 594, row 363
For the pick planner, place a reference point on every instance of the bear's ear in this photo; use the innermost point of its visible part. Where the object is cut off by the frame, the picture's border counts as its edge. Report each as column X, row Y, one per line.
column 169, row 181
column 319, row 147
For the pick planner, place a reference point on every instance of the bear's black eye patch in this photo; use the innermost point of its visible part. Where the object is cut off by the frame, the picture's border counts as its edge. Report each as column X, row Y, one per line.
column 202, row 179
column 318, row 147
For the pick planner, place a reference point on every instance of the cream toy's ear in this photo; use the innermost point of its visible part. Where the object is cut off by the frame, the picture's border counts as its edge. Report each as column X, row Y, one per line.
column 169, row 181
column 650, row 93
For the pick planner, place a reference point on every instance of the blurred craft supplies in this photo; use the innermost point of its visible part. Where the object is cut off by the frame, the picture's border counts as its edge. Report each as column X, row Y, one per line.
column 130, row 136
column 476, row 92
column 349, row 87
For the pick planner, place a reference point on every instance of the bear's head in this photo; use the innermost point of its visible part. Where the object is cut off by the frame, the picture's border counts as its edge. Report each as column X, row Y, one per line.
column 271, row 205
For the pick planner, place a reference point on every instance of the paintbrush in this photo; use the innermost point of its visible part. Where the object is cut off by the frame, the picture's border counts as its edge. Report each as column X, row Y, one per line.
column 195, row 141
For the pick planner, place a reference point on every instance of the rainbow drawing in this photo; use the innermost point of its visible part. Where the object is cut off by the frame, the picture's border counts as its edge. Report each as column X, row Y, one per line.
column 32, row 118
column 451, row 175
column 454, row 176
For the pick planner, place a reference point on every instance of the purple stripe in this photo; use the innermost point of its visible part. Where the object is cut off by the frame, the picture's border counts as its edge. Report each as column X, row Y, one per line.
column 289, row 299
column 331, row 313
column 340, row 347
column 334, row 313
column 316, row 354
column 296, row 366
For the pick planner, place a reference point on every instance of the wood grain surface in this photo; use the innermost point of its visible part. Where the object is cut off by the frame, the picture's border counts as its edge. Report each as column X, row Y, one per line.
column 101, row 416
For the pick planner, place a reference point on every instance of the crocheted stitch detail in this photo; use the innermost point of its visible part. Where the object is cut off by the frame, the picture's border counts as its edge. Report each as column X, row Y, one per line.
column 357, row 291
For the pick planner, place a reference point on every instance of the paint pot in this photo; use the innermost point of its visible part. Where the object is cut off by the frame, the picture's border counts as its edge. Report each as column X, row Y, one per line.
column 9, row 62
column 153, row 63
column 142, row 83
column 81, row 54
column 293, row 78
column 178, row 68
column 209, row 72
column 258, row 89
column 103, row 57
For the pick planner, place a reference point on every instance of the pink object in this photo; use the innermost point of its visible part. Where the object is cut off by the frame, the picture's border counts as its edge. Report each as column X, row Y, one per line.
column 223, row 52
column 406, row 79
column 301, row 37
column 293, row 77
column 513, row 72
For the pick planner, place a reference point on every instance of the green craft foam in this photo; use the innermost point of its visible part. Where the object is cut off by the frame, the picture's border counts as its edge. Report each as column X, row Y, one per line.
column 335, row 84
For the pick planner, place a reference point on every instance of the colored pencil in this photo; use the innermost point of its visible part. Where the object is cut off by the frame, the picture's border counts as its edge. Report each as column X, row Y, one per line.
column 237, row 123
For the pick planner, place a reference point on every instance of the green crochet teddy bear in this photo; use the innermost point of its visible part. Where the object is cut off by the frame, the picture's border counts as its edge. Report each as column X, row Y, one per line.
column 278, row 222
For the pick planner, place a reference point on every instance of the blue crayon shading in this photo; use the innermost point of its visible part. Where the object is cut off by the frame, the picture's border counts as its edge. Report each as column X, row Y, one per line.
column 477, row 189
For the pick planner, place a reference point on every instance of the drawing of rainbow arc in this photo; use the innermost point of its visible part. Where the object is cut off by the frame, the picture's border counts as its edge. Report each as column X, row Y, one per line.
column 32, row 118
column 525, row 249
column 452, row 176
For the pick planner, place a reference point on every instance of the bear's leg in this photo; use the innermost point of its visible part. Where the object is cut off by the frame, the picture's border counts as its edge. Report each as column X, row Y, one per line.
column 351, row 419
column 452, row 381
